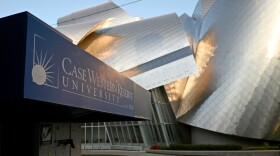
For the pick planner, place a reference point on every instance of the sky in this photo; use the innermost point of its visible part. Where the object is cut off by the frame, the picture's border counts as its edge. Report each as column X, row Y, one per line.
column 50, row 10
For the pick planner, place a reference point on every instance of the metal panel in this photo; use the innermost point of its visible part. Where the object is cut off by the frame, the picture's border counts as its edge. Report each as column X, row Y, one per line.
column 236, row 47
column 79, row 24
column 96, row 13
column 165, row 74
column 202, row 8
column 153, row 46
column 142, row 41
column 145, row 48
column 237, row 89
column 76, row 31
column 192, row 29
column 174, row 91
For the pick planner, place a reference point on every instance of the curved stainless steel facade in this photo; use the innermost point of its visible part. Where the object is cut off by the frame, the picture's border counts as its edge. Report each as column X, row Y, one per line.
column 153, row 46
column 237, row 89
column 79, row 24
column 236, row 47
column 96, row 13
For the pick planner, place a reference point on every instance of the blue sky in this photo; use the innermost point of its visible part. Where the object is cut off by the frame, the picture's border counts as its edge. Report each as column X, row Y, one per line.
column 50, row 10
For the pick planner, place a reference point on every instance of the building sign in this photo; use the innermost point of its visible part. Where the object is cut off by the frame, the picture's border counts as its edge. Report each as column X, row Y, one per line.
column 57, row 71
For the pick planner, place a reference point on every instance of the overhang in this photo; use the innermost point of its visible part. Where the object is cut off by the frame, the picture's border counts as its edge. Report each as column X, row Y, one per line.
column 49, row 78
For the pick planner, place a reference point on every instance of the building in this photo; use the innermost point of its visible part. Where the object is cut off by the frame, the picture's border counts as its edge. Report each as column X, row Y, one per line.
column 218, row 70
column 50, row 86
column 236, row 47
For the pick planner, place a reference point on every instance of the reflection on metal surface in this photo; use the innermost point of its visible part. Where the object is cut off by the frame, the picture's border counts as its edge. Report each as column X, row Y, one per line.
column 202, row 8
column 77, row 32
column 100, row 25
column 151, row 52
column 97, row 44
column 221, row 74
column 237, row 88
column 174, row 91
column 144, row 41
column 97, row 13
column 274, row 40
column 80, row 24
column 144, row 49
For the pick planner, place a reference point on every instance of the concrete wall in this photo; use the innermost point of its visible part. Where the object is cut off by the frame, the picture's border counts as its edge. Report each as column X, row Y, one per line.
column 216, row 153
column 58, row 145
column 201, row 136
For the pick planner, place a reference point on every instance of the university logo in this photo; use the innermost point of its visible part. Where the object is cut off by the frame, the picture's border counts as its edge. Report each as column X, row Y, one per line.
column 78, row 79
column 43, row 70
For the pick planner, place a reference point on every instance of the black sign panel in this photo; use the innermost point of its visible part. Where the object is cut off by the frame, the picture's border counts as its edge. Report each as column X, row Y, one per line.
column 59, row 72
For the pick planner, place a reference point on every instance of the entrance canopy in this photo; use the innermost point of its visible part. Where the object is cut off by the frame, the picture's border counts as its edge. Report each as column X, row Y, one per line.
column 45, row 76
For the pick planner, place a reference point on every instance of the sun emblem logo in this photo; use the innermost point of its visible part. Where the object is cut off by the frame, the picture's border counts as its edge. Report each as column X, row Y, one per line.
column 39, row 74
column 41, row 71
column 43, row 68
